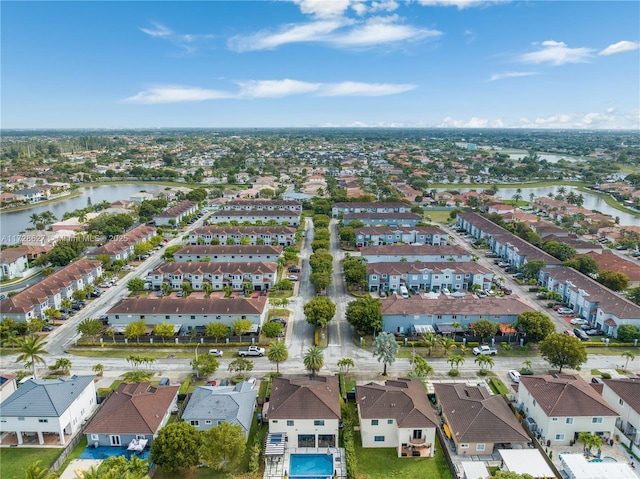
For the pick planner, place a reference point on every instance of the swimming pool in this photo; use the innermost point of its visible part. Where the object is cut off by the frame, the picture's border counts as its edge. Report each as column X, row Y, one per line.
column 105, row 452
column 311, row 466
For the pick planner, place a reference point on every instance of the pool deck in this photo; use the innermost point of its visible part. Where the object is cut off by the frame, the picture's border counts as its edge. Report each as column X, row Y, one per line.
column 78, row 465
column 275, row 467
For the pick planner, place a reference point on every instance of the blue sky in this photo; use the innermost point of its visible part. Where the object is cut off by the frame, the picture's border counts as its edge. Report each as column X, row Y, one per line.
column 423, row 63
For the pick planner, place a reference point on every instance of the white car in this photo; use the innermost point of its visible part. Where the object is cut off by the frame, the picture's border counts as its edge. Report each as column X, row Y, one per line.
column 565, row 310
column 292, row 277
column 215, row 352
column 579, row 321
column 514, row 375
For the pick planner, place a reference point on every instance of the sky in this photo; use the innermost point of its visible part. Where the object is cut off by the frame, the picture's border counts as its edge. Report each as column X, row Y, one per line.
column 320, row 63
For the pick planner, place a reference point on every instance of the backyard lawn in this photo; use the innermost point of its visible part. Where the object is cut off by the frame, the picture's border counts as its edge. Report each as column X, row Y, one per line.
column 377, row 463
column 16, row 459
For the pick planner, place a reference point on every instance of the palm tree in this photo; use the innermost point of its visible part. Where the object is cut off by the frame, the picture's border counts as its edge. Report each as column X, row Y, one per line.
column 589, row 440
column 98, row 369
column 37, row 471
column 526, row 364
column 447, row 344
column 420, row 366
column 456, row 360
column 278, row 353
column 385, row 348
column 35, row 219
column 431, row 340
column 629, row 356
column 345, row 363
column 483, row 361
column 137, row 376
column 517, row 196
column 313, row 360
column 31, row 349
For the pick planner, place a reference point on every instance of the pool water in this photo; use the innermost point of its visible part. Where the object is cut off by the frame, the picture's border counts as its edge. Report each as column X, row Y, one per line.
column 311, row 466
column 105, row 452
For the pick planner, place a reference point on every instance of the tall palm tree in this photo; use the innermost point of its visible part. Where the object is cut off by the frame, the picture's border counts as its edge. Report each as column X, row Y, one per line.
column 447, row 344
column 456, row 360
column 313, row 360
column 629, row 356
column 278, row 353
column 385, row 348
column 345, row 363
column 31, row 349
column 35, row 219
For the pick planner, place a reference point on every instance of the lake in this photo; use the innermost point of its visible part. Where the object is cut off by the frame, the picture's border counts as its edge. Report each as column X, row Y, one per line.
column 12, row 222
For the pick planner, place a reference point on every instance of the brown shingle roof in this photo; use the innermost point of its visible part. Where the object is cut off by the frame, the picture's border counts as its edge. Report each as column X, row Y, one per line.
column 628, row 389
column 136, row 408
column 490, row 306
column 476, row 416
column 244, row 230
column 566, row 395
column 208, row 250
column 406, row 249
column 316, row 397
column 385, row 230
column 178, row 209
column 404, row 400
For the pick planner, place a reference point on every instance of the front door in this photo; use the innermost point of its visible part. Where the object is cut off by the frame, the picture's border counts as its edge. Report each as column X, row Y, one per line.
column 115, row 441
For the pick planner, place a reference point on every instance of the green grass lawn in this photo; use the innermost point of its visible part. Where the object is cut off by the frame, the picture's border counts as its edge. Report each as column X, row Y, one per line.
column 16, row 459
column 437, row 216
column 384, row 463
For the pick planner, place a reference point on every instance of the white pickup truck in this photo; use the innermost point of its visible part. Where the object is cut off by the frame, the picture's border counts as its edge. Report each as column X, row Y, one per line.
column 251, row 351
column 485, row 350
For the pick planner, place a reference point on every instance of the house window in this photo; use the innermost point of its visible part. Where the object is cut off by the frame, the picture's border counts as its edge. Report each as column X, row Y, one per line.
column 140, row 436
column 534, row 402
column 554, row 419
column 464, row 446
column 560, row 437
column 374, row 422
column 596, row 420
column 167, row 317
column 195, row 423
column 290, row 422
column 621, row 402
column 95, row 437
column 192, row 317
column 43, row 420
column 207, row 421
column 318, row 422
column 480, row 446
column 378, row 438
column 389, row 421
column 569, row 420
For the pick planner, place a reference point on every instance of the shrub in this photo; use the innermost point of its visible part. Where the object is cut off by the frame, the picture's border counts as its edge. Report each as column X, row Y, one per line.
column 606, row 376
column 454, row 373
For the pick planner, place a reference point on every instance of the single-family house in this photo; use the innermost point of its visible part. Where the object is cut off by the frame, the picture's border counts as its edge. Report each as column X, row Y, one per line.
column 7, row 385
column 56, row 407
column 13, row 262
column 397, row 414
column 213, row 405
column 476, row 420
column 134, row 412
column 564, row 405
column 305, row 409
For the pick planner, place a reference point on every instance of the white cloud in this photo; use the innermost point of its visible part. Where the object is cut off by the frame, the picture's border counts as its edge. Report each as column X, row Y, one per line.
column 557, row 53
column 460, row 4
column 363, row 89
column 267, row 89
column 500, row 76
column 384, row 6
column 158, row 31
column 380, row 30
column 306, row 32
column 176, row 94
column 609, row 119
column 620, row 47
column 474, row 122
column 323, row 8
column 275, row 88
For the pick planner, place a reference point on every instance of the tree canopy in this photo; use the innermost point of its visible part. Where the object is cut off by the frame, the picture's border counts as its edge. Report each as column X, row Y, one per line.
column 385, row 349
column 224, row 446
column 561, row 350
column 365, row 314
column 319, row 310
column 176, row 446
column 535, row 325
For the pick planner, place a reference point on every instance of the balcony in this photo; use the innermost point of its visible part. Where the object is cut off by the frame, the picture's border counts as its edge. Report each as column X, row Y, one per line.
column 417, row 442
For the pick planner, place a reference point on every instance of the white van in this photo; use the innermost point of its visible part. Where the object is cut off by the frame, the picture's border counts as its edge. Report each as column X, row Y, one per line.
column 403, row 291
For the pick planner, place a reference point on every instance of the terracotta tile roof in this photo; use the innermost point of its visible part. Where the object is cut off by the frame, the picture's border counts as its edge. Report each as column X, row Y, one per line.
column 125, row 241
column 476, row 416
column 628, row 389
column 10, row 255
column 608, row 260
column 171, row 306
column 566, row 395
column 316, row 397
column 404, row 400
column 137, row 408
column 491, row 306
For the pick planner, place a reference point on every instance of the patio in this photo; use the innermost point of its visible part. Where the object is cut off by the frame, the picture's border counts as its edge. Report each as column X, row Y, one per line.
column 10, row 439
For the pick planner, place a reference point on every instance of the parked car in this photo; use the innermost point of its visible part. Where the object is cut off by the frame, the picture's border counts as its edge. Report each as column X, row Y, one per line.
column 251, row 351
column 382, row 294
column 503, row 264
column 485, row 350
column 47, row 328
column 292, row 277
column 294, row 269
column 565, row 311
column 597, row 381
column 578, row 321
column 180, row 294
column 568, row 332
column 580, row 334
column 279, row 320
column 594, row 332
column 514, row 375
column 216, row 352
column 518, row 275
column 506, row 290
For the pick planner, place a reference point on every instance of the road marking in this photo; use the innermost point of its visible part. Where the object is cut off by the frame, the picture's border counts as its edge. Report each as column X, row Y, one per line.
column 339, row 336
